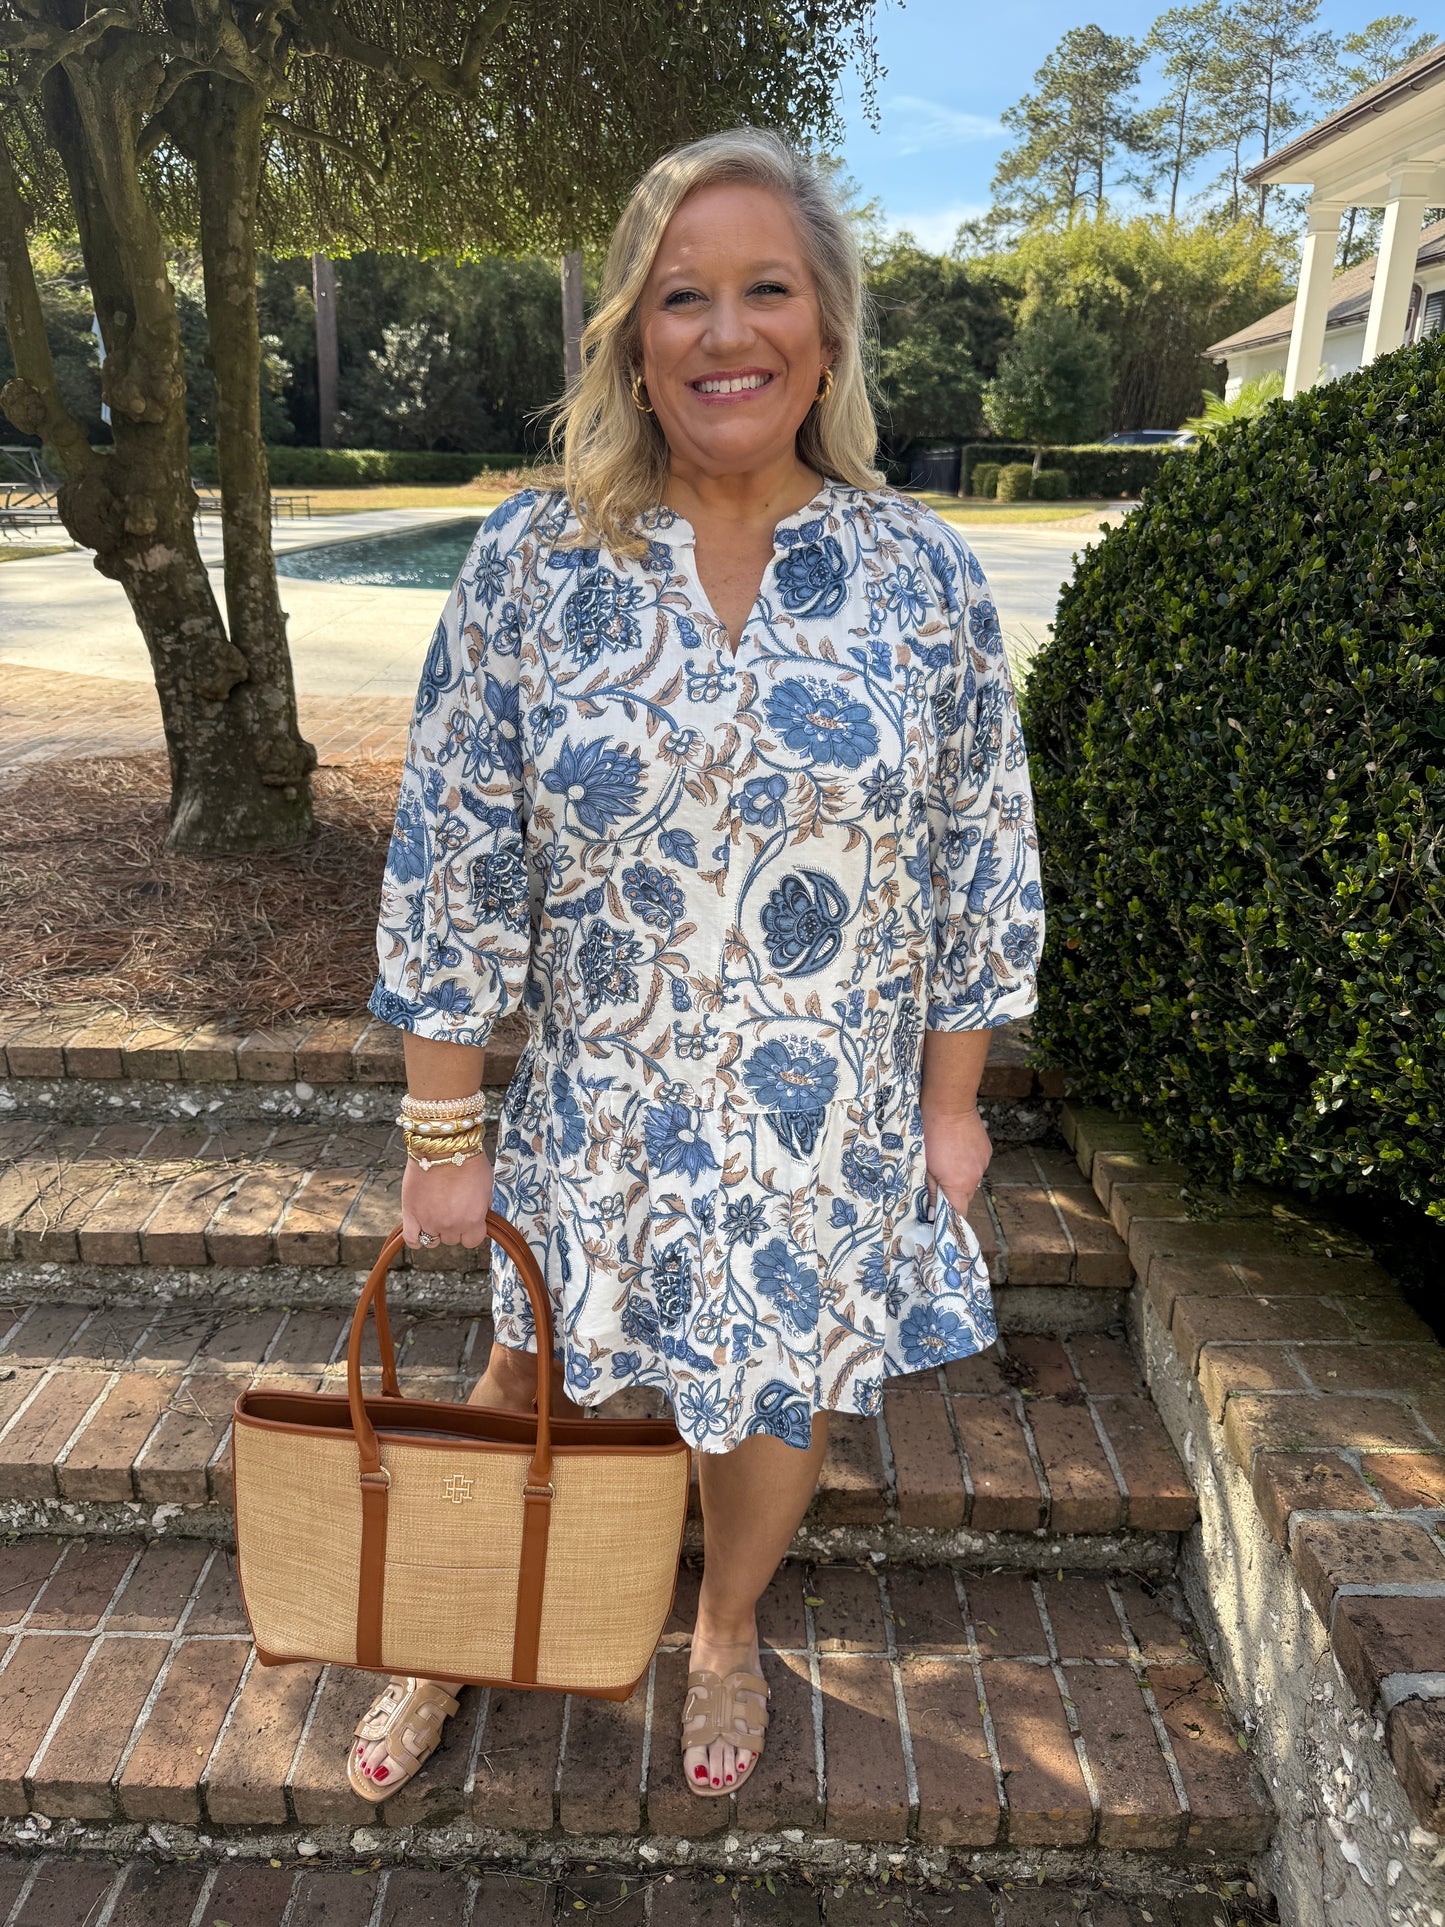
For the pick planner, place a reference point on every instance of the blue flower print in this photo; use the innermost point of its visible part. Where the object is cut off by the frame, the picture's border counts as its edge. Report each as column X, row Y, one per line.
column 791, row 1074
column 789, row 1285
column 390, row 1007
column 762, row 799
column 984, row 627
column 703, row 1408
column 743, row 1220
column 569, row 1127
column 884, row 792
column 803, row 922
column 408, row 856
column 812, row 579
column 499, row 887
column 600, row 782
column 652, row 894
column 822, row 722
column 608, row 960
column 1020, row 943
column 675, row 1141
column 930, row 1335
column 781, row 1409
column 489, row 578
column 672, row 1283
column 599, row 615
column 638, row 1322
column 436, row 675
column 581, row 1372
column 727, row 898
column 504, row 706
column 679, row 846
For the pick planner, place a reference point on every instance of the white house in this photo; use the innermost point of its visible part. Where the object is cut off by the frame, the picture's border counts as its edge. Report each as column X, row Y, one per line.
column 1385, row 148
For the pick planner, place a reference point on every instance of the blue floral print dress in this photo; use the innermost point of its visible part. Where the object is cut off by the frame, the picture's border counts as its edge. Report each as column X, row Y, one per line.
column 729, row 892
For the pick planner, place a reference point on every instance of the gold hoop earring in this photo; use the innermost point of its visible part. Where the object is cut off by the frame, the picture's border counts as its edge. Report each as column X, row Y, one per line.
column 642, row 407
column 825, row 386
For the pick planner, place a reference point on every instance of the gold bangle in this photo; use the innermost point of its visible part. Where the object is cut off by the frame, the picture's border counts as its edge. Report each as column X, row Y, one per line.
column 443, row 1107
column 452, row 1141
column 455, row 1157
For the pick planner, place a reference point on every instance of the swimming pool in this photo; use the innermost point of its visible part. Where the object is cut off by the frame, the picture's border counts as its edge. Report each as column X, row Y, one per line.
column 425, row 558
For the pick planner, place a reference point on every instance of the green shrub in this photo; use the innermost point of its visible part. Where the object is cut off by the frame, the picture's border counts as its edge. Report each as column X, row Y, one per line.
column 1051, row 485
column 1093, row 471
column 985, row 479
column 1015, row 480
column 1238, row 741
column 354, row 467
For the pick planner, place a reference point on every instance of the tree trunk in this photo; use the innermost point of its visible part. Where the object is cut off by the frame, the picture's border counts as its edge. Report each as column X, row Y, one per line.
column 228, row 176
column 323, row 296
column 233, row 785
column 572, row 317
column 1038, row 460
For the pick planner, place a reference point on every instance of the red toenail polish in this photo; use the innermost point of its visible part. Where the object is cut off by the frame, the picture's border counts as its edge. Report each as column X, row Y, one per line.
column 379, row 1773
column 730, row 1779
column 702, row 1772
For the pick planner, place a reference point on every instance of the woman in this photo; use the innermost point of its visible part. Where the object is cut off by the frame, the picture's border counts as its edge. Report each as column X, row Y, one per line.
column 716, row 773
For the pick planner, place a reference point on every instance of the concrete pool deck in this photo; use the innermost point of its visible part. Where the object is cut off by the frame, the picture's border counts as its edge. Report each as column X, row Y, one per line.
column 67, row 637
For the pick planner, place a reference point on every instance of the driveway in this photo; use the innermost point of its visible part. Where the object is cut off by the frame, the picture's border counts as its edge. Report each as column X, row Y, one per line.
column 58, row 613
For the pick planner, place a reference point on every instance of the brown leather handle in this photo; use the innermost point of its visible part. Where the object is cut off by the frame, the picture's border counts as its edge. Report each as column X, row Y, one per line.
column 373, row 1297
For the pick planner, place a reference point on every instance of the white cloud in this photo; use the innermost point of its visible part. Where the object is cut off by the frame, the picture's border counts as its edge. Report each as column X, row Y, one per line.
column 923, row 126
column 934, row 229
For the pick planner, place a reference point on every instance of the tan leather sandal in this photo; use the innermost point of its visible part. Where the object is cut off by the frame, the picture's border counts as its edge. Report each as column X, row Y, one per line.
column 409, row 1717
column 717, row 1709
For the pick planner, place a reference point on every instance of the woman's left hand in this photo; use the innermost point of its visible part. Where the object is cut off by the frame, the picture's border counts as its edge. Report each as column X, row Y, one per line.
column 957, row 1150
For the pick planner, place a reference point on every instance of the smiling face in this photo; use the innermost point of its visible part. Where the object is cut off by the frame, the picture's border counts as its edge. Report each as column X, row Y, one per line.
column 732, row 343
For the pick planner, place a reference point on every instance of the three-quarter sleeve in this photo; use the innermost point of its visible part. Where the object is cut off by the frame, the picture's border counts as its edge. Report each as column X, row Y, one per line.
column 454, row 933
column 988, row 903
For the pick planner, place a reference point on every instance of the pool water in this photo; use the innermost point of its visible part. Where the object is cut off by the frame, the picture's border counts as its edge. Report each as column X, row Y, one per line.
column 426, row 558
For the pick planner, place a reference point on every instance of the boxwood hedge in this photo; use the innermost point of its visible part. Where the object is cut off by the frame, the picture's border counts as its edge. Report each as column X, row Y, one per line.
column 1237, row 733
column 295, row 467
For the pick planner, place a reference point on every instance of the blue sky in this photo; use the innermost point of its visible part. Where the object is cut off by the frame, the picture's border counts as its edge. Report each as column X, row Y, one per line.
column 954, row 65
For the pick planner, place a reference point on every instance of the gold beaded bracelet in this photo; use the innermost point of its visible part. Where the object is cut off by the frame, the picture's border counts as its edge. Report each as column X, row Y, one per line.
column 455, row 1157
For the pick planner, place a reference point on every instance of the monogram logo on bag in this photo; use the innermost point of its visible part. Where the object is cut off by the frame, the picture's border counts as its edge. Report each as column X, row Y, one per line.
column 456, row 1489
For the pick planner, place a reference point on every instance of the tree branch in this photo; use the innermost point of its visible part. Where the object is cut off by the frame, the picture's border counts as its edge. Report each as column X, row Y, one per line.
column 325, row 34
column 32, row 399
column 54, row 44
column 329, row 141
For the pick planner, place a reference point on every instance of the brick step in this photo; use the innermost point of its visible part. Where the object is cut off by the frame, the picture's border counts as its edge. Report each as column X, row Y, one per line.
column 915, row 1709
column 346, row 1066
column 142, row 1212
column 140, row 1893
column 1041, row 1450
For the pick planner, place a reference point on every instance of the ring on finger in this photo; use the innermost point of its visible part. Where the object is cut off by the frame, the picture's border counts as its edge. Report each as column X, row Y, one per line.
column 425, row 1238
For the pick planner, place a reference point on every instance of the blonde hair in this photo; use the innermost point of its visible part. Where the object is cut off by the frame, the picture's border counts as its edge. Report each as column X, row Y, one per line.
column 614, row 458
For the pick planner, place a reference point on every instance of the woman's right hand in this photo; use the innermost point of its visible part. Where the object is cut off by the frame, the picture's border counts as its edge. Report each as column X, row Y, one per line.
column 449, row 1202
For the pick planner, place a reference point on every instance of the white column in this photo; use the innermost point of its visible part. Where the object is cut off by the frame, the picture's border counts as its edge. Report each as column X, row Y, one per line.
column 1405, row 204
column 1312, row 303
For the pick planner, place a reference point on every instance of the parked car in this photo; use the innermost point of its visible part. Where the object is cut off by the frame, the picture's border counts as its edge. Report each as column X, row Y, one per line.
column 1152, row 438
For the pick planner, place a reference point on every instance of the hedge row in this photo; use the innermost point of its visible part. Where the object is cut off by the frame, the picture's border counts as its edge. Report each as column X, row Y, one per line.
column 1091, row 471
column 350, row 467
column 1237, row 735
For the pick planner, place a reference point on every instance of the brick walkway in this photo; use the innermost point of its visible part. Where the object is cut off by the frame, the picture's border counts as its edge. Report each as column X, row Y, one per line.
column 965, row 1711
column 45, row 716
column 110, row 1405
column 59, row 1892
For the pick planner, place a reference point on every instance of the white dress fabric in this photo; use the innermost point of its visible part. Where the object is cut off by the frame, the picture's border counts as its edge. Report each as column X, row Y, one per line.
column 729, row 892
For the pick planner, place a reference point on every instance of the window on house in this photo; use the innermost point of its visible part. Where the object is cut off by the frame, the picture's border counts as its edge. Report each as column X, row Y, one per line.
column 1433, row 318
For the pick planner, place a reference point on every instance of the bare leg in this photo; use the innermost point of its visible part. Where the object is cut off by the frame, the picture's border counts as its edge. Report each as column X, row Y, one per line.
column 753, row 1499
column 508, row 1383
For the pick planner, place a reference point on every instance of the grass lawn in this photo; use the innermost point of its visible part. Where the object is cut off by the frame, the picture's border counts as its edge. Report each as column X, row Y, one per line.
column 26, row 551
column 343, row 501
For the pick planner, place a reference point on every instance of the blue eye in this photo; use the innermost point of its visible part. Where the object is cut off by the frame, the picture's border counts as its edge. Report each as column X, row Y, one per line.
column 679, row 295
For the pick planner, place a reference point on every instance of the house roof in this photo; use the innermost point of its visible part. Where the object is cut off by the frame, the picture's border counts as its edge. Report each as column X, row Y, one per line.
column 1349, row 300
column 1426, row 70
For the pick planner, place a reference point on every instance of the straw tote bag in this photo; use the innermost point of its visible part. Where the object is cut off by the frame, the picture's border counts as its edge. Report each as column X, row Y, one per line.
column 409, row 1535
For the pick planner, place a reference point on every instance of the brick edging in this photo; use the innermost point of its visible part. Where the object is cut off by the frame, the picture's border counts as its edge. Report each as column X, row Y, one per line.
column 1329, row 1393
column 97, row 1043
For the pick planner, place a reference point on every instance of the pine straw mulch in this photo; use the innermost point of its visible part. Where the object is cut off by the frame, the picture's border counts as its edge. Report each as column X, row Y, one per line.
column 94, row 910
